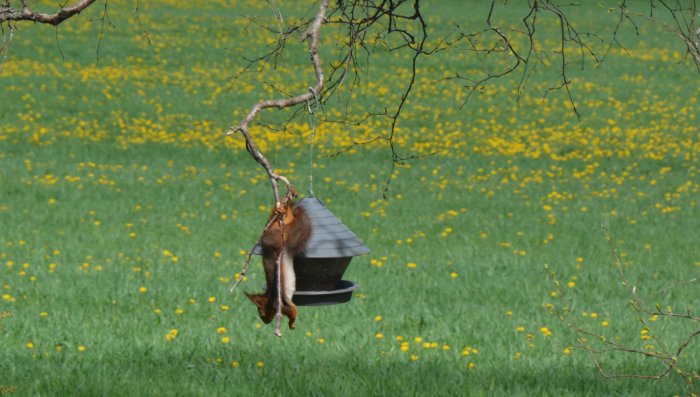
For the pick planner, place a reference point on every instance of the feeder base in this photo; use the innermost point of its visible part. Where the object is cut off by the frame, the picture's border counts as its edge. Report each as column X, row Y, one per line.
column 341, row 294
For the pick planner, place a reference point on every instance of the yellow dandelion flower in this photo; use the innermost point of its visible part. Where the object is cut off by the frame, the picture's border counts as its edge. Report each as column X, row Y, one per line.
column 171, row 335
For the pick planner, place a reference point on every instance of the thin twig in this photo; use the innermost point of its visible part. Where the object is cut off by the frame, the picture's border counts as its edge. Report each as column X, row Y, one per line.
column 670, row 357
column 6, row 43
column 244, row 272
column 145, row 34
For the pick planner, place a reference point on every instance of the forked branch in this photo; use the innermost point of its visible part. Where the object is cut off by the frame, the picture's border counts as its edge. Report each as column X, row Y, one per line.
column 311, row 34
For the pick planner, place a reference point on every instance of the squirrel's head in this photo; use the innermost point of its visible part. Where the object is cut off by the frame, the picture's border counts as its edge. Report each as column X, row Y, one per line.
column 266, row 312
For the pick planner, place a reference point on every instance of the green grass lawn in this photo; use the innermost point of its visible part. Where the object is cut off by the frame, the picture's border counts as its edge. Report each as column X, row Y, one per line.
column 125, row 213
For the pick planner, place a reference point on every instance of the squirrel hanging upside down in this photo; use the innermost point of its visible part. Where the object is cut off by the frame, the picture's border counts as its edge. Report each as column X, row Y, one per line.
column 287, row 234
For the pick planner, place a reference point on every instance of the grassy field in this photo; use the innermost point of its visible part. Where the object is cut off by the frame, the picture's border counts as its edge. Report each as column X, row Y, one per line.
column 125, row 213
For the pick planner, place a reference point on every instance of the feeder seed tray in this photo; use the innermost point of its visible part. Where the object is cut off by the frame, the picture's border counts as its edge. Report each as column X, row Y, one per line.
column 339, row 295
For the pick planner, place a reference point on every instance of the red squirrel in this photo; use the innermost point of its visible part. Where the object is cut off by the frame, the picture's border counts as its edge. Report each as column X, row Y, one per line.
column 287, row 238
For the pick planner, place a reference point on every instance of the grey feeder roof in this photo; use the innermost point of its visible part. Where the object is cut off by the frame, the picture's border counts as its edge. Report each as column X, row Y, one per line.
column 330, row 238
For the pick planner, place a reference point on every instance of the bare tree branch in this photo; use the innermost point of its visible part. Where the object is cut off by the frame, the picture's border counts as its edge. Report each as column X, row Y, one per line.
column 685, row 25
column 311, row 34
column 671, row 357
column 6, row 42
column 25, row 13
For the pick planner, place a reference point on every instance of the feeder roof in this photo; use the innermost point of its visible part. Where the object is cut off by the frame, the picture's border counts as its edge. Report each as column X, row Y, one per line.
column 330, row 238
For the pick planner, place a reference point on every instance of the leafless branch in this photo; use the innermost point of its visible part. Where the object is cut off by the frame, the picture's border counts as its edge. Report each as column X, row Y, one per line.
column 369, row 23
column 670, row 357
column 104, row 18
column 6, row 41
column 685, row 24
column 311, row 34
column 25, row 13
column 145, row 34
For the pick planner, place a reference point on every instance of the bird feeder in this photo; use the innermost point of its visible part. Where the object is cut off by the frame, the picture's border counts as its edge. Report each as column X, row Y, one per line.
column 320, row 267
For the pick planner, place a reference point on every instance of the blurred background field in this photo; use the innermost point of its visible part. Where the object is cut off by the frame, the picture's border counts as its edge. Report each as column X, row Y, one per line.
column 125, row 212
